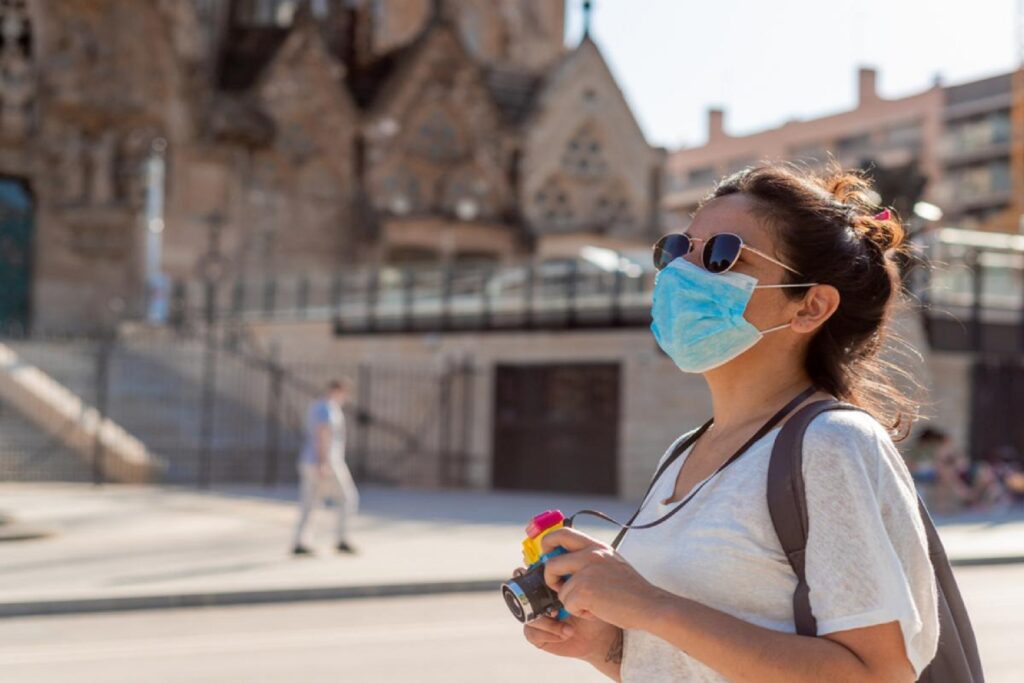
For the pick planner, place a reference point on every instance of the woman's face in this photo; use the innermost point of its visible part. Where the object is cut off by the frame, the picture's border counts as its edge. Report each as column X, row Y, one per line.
column 732, row 213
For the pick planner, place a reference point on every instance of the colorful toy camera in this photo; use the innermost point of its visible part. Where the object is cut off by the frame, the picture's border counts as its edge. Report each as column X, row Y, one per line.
column 528, row 597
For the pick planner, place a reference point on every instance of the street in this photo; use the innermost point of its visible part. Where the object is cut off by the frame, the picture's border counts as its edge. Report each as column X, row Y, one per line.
column 444, row 638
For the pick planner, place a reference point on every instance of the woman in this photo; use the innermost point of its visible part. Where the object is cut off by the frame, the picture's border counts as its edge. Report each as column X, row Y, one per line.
column 799, row 296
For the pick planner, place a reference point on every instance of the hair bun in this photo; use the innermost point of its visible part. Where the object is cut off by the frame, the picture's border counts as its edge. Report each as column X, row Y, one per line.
column 853, row 190
column 881, row 229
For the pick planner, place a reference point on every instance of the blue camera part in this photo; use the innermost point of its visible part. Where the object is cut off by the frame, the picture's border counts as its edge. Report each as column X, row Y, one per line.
column 563, row 614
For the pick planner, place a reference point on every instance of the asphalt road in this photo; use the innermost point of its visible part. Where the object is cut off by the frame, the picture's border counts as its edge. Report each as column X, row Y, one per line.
column 444, row 638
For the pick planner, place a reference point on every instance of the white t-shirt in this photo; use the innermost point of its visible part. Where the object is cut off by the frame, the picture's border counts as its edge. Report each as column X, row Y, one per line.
column 324, row 412
column 867, row 554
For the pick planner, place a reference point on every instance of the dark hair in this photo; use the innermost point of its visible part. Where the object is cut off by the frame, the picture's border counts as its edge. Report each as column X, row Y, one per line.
column 930, row 435
column 827, row 227
column 340, row 384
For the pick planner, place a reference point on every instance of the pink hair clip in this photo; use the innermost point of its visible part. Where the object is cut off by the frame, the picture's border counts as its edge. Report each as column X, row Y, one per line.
column 883, row 215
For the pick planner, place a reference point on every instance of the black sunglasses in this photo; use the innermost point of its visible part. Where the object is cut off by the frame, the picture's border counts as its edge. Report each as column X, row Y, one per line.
column 718, row 253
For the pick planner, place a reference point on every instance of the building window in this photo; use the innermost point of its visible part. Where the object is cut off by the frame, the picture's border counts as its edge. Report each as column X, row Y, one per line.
column 469, row 29
column 979, row 133
column 17, row 88
column 279, row 13
column 1000, row 127
column 584, row 155
column 612, row 208
column 467, row 195
column 739, row 164
column 980, row 182
column 700, row 177
column 812, row 152
column 999, row 173
column 436, row 138
column 854, row 144
column 553, row 205
column 400, row 193
column 904, row 135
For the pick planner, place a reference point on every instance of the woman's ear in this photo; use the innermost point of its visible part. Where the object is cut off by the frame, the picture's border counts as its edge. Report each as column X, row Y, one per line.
column 817, row 306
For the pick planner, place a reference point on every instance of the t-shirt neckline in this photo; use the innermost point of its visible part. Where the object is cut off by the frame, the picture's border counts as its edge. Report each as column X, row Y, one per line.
column 678, row 465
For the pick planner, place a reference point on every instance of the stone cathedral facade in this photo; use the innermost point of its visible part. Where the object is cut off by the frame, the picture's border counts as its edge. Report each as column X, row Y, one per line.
column 300, row 136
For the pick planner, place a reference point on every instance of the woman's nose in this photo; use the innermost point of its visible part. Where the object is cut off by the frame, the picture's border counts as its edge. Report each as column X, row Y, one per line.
column 694, row 255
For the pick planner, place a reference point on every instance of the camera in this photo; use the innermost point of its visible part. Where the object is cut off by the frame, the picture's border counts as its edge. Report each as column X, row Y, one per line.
column 527, row 596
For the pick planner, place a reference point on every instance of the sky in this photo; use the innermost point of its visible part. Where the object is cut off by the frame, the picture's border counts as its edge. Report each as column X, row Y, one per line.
column 770, row 61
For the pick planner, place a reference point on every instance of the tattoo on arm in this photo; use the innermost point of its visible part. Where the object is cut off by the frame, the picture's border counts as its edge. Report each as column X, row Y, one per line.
column 615, row 651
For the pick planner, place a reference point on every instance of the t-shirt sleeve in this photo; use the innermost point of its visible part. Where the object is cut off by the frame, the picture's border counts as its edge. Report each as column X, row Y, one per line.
column 867, row 557
column 319, row 414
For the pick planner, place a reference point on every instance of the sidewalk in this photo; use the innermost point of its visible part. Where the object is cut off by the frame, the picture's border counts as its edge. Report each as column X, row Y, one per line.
column 132, row 547
column 124, row 547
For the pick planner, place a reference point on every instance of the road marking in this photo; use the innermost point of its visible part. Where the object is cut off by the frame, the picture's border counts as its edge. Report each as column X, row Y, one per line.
column 199, row 644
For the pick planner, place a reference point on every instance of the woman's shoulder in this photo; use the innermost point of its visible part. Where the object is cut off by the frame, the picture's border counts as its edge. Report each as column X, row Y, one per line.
column 845, row 427
column 847, row 441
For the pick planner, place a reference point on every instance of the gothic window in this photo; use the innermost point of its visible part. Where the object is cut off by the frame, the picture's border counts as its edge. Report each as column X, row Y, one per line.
column 612, row 207
column 400, row 193
column 470, row 26
column 583, row 157
column 17, row 90
column 469, row 194
column 554, row 205
column 436, row 138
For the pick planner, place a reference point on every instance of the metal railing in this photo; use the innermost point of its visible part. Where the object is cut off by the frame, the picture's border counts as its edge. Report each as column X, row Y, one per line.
column 569, row 293
column 966, row 280
column 972, row 291
column 245, row 420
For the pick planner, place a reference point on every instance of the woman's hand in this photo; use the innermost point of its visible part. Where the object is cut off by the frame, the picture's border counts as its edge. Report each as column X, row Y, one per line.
column 591, row 640
column 602, row 586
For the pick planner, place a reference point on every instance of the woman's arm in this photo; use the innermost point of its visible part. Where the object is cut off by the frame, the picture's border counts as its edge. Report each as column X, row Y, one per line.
column 744, row 652
column 605, row 586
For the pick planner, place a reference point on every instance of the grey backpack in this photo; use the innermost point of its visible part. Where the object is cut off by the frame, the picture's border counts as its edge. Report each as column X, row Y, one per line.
column 956, row 660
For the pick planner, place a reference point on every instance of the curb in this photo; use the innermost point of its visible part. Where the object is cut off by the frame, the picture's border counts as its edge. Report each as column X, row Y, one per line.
column 231, row 598
column 987, row 561
column 258, row 597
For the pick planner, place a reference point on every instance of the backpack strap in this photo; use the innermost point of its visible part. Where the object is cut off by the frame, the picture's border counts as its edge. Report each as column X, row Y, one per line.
column 787, row 503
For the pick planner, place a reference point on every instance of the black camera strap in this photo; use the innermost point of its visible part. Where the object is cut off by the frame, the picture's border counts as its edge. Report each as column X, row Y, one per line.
column 772, row 422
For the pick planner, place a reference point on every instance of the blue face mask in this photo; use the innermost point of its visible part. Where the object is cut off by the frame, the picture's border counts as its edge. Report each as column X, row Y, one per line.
column 697, row 316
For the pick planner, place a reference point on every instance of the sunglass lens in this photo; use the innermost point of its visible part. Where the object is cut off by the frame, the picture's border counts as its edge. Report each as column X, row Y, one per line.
column 669, row 248
column 721, row 252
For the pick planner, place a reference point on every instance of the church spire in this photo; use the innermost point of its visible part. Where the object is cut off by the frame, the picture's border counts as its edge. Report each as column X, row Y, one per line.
column 588, row 9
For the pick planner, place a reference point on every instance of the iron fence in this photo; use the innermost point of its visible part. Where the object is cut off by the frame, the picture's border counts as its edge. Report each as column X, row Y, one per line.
column 553, row 294
column 970, row 287
column 215, row 414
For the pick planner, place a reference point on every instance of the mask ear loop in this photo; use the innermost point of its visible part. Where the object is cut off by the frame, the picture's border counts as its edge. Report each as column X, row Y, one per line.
column 781, row 327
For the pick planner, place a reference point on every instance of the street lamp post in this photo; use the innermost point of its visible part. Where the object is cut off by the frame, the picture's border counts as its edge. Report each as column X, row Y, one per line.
column 211, row 270
column 156, row 283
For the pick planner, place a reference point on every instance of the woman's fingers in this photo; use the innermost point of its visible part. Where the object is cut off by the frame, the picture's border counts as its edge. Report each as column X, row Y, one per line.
column 547, row 630
column 566, row 565
column 569, row 538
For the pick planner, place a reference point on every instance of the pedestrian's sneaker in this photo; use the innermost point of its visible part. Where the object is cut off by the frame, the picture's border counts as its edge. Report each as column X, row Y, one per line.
column 344, row 547
column 301, row 551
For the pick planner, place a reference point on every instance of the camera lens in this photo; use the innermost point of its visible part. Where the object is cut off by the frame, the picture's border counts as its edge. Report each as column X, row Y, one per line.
column 515, row 605
column 528, row 597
